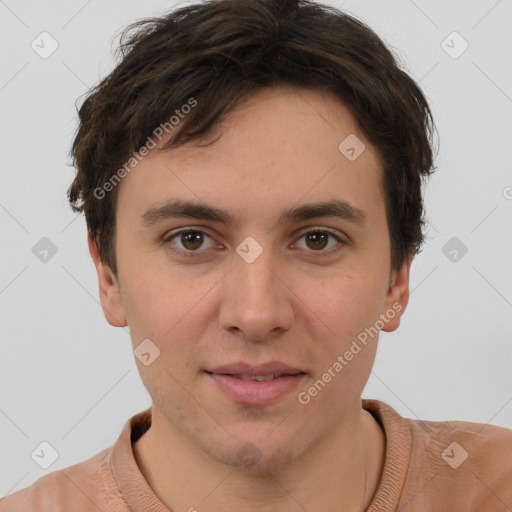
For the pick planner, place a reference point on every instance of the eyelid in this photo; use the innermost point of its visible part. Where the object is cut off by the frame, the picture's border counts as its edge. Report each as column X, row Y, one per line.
column 178, row 231
column 334, row 232
column 170, row 236
column 341, row 237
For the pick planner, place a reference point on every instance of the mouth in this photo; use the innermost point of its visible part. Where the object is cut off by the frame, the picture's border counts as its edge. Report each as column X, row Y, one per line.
column 256, row 385
column 259, row 378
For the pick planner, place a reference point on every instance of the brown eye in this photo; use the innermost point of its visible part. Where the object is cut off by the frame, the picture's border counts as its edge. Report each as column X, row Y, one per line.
column 194, row 242
column 190, row 240
column 319, row 240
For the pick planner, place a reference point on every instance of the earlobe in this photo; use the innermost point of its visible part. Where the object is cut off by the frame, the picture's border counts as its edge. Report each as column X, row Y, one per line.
column 110, row 296
column 397, row 297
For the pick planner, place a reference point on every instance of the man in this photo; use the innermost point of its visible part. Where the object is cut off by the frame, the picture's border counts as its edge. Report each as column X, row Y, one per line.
column 251, row 175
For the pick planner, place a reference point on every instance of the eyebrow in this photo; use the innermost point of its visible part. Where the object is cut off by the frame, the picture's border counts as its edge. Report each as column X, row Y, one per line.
column 178, row 208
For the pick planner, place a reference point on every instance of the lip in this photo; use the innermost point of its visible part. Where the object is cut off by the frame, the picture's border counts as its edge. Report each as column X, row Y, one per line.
column 243, row 368
column 249, row 392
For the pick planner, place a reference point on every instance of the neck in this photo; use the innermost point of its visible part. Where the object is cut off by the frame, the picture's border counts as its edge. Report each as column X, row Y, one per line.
column 340, row 473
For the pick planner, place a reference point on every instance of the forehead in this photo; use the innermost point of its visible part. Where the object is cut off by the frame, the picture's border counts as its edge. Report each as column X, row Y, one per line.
column 286, row 121
column 282, row 145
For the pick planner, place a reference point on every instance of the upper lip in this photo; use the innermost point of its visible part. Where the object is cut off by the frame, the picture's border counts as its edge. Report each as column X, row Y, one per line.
column 242, row 368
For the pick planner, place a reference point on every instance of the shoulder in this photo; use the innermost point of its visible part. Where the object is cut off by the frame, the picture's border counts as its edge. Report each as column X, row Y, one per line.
column 443, row 465
column 467, row 463
column 83, row 486
column 90, row 485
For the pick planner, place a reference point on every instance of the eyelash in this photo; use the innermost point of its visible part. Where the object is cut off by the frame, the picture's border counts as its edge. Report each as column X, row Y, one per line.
column 198, row 253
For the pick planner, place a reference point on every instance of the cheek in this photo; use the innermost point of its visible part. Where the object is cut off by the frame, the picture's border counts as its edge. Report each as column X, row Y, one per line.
column 347, row 302
column 350, row 309
column 349, row 352
column 171, row 311
column 153, row 293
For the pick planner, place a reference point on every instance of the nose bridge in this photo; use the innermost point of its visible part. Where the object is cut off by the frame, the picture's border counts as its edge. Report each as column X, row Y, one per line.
column 256, row 303
column 254, row 269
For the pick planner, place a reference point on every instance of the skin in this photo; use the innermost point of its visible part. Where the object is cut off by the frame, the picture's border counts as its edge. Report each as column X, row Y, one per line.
column 276, row 150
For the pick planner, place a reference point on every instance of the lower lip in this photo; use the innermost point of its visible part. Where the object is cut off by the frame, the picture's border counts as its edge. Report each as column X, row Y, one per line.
column 252, row 392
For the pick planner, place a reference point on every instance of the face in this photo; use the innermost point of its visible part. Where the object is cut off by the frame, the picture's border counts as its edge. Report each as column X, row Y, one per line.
column 254, row 286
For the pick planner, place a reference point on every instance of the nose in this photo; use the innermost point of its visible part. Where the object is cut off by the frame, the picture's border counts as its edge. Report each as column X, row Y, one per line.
column 257, row 301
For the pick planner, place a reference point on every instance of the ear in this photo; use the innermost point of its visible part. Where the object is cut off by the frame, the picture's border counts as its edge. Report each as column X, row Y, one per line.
column 397, row 297
column 110, row 296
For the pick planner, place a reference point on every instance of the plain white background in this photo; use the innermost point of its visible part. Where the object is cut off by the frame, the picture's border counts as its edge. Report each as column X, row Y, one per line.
column 68, row 378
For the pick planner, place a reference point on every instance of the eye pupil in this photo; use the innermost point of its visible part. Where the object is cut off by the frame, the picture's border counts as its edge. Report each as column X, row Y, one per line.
column 192, row 239
column 315, row 237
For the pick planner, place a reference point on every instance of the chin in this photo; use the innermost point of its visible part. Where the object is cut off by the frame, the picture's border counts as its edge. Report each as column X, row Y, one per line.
column 257, row 454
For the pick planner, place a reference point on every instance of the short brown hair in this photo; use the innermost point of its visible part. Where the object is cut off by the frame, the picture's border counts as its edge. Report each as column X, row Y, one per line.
column 219, row 52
